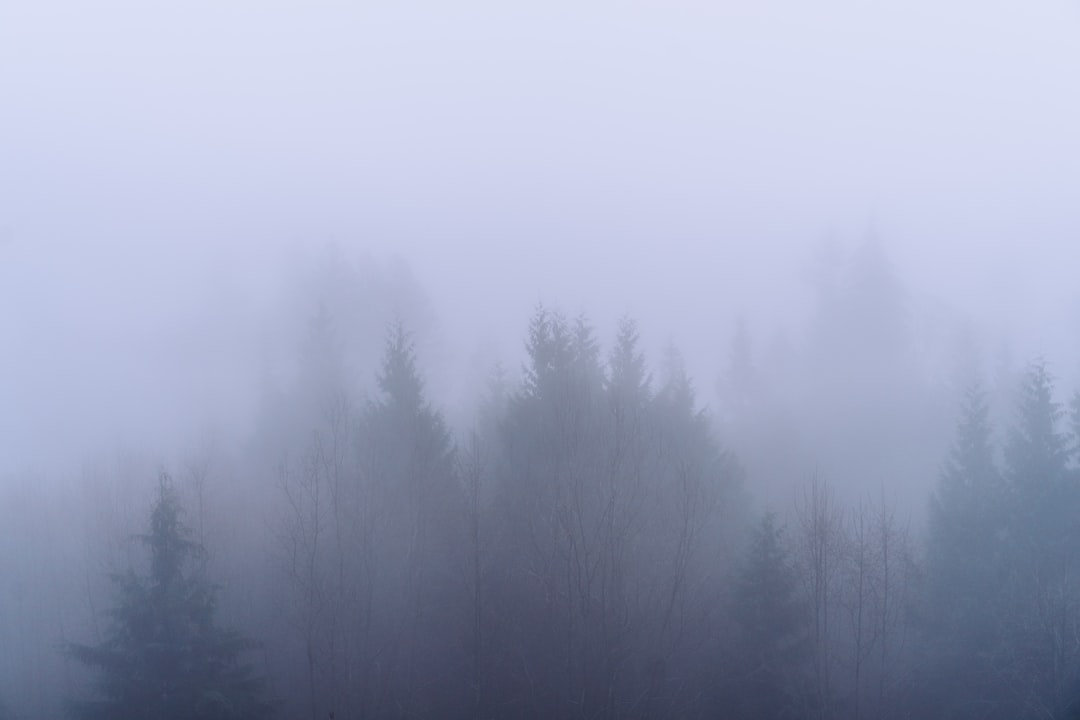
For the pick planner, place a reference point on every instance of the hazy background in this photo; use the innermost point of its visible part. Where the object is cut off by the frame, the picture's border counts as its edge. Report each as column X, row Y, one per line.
column 165, row 168
column 884, row 193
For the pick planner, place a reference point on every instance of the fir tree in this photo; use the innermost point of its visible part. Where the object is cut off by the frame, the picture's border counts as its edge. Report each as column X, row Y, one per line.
column 1038, row 586
column 1037, row 451
column 164, row 657
column 408, row 461
column 771, row 631
column 965, row 509
column 964, row 568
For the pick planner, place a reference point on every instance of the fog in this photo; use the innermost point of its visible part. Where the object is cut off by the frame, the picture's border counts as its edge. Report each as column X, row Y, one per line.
column 829, row 222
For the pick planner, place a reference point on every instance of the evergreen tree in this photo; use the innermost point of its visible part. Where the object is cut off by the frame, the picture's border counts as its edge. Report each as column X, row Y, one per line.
column 1037, row 451
column 628, row 377
column 1040, row 624
column 165, row 658
column 964, row 569
column 767, row 678
column 965, row 510
column 408, row 465
column 1074, row 429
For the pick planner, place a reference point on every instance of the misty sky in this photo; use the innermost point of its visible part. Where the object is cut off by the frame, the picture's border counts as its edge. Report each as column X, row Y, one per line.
column 676, row 160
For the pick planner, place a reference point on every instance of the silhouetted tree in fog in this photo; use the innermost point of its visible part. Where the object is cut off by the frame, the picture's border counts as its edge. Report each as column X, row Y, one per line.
column 415, row 659
column 610, row 512
column 1041, row 585
column 1003, row 566
column 820, row 524
column 164, row 655
column 963, row 569
column 767, row 675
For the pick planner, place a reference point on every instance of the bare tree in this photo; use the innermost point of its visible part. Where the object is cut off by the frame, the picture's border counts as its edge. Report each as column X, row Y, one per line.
column 821, row 523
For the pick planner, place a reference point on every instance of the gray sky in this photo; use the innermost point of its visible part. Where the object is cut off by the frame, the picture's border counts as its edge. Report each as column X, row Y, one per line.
column 676, row 160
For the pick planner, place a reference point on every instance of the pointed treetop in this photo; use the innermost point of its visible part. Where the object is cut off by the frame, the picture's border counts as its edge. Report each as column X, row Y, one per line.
column 170, row 542
column 1036, row 452
column 399, row 378
column 549, row 347
column 628, row 376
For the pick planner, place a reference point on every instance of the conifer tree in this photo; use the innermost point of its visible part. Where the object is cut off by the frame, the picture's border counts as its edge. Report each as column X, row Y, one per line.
column 965, row 509
column 1039, row 582
column 769, row 664
column 408, row 464
column 165, row 657
column 964, row 566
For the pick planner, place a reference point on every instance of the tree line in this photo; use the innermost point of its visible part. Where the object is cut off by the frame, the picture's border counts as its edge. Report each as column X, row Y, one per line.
column 587, row 550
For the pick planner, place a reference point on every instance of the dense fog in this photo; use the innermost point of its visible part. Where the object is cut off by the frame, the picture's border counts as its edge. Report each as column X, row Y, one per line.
column 539, row 360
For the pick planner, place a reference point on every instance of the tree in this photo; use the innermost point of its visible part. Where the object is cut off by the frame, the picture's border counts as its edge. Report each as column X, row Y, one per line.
column 771, row 630
column 1042, row 566
column 407, row 475
column 164, row 657
column 1037, row 451
column 608, row 533
column 820, row 524
column 963, row 568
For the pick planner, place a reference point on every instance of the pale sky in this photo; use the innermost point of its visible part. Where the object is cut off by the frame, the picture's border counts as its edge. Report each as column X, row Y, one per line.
column 675, row 160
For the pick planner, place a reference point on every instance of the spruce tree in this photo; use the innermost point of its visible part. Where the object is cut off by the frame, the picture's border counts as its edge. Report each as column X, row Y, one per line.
column 965, row 510
column 1039, row 583
column 165, row 657
column 964, row 569
column 1037, row 451
column 768, row 675
column 408, row 466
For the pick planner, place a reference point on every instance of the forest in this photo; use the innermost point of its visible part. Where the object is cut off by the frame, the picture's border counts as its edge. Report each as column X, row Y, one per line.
column 838, row 528
column 560, row 360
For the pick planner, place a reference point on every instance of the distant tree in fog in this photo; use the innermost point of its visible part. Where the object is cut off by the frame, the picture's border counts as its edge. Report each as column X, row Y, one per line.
column 962, row 569
column 1003, row 566
column 613, row 512
column 1041, row 573
column 164, row 656
column 768, row 672
column 820, row 527
column 407, row 466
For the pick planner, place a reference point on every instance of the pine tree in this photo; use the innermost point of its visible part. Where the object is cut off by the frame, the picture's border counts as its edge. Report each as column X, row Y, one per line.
column 164, row 657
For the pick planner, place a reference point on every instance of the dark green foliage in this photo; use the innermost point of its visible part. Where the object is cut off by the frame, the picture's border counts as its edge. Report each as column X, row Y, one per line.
column 164, row 657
